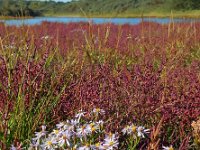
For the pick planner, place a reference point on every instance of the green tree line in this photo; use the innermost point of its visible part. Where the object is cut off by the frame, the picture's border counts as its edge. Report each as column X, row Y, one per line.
column 38, row 8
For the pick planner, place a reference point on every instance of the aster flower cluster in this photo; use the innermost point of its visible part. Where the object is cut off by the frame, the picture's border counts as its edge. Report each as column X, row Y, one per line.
column 80, row 134
column 77, row 134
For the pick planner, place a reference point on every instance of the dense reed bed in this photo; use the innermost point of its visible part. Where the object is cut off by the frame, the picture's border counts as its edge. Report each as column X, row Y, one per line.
column 147, row 74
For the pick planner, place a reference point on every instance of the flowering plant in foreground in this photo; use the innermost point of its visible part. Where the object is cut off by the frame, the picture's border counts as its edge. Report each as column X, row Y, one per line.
column 196, row 132
column 134, row 133
column 81, row 134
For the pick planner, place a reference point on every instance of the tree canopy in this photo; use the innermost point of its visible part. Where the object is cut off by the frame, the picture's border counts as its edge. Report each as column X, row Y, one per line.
column 38, row 8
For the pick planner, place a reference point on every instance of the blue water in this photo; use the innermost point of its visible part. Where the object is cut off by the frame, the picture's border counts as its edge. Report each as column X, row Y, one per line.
column 39, row 20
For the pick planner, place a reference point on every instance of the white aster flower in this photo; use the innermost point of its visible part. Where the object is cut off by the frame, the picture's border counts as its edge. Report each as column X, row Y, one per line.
column 97, row 146
column 168, row 148
column 74, row 122
column 98, row 111
column 49, row 143
column 126, row 130
column 65, row 138
column 41, row 133
column 60, row 125
column 67, row 125
column 35, row 142
column 85, row 147
column 111, row 142
column 130, row 130
column 82, row 131
column 100, row 122
column 57, row 133
column 80, row 115
column 141, row 131
column 92, row 127
column 69, row 128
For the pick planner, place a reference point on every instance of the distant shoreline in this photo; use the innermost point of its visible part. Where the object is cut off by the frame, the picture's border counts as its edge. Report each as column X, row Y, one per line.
column 174, row 14
column 12, row 17
column 178, row 14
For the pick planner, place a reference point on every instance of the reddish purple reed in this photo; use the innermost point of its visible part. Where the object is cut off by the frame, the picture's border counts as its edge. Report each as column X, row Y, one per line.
column 137, row 73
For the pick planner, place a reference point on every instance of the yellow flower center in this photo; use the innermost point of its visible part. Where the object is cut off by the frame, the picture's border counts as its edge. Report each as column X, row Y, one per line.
column 111, row 143
column 98, row 109
column 93, row 129
column 134, row 129
column 49, row 143
column 56, row 131
column 97, row 144
column 171, row 148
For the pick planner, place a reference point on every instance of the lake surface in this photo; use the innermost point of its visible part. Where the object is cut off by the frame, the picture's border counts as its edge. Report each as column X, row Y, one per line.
column 38, row 20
